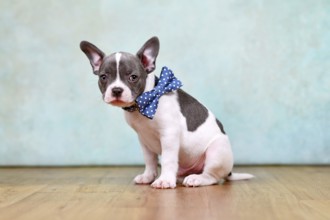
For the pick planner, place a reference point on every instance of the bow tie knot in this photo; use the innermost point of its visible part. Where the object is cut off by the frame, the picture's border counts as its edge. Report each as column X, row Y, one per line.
column 148, row 101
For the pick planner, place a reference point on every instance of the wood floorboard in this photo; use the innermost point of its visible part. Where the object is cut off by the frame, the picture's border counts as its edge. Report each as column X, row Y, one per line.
column 277, row 192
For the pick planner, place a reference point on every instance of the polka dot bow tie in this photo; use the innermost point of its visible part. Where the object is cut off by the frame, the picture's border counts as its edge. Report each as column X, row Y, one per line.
column 148, row 101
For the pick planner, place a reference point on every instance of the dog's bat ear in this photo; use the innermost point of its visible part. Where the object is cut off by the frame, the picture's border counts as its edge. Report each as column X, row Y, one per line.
column 94, row 54
column 148, row 54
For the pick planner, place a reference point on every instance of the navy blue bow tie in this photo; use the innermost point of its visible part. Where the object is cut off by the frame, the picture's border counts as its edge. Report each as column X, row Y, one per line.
column 148, row 101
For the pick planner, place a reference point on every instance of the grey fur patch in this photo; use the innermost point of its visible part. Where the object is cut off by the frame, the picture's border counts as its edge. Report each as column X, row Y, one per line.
column 194, row 112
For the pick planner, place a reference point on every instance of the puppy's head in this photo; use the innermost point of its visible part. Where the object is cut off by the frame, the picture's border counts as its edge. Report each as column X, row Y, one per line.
column 122, row 76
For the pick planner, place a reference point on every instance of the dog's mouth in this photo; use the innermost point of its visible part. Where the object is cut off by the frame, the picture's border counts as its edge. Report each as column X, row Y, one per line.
column 117, row 102
column 120, row 103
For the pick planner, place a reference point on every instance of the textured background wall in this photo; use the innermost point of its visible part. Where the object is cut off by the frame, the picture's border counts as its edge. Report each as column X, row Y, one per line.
column 261, row 66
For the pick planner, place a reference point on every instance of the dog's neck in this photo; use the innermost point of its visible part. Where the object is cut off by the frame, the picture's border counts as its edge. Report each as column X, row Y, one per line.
column 150, row 82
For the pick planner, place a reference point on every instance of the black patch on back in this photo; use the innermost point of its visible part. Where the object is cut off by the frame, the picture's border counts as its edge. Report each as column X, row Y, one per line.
column 194, row 112
column 221, row 127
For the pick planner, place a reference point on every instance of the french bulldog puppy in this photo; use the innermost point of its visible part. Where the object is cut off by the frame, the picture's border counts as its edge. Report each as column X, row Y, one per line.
column 169, row 122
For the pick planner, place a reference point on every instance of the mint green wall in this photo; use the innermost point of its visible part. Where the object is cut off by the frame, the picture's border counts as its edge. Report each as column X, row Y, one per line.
column 263, row 67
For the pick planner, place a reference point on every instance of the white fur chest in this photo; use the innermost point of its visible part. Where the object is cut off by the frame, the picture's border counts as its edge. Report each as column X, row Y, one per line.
column 167, row 121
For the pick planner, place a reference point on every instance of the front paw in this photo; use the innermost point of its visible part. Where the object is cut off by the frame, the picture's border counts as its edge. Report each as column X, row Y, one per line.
column 144, row 178
column 164, row 183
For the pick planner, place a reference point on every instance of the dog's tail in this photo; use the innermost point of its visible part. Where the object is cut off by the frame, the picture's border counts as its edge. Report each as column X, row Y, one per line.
column 239, row 176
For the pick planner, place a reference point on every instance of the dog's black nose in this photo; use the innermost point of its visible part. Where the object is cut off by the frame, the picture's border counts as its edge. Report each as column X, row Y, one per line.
column 117, row 91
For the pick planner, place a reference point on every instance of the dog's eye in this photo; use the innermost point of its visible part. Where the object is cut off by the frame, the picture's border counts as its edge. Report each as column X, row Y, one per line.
column 103, row 77
column 133, row 78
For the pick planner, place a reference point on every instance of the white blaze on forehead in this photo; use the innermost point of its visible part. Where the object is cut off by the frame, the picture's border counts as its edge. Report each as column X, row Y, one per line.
column 118, row 56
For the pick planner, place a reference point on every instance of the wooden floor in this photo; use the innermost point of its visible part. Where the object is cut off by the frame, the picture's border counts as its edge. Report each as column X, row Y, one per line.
column 109, row 193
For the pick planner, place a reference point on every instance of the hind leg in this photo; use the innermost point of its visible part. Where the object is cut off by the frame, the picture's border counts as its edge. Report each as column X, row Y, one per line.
column 218, row 164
